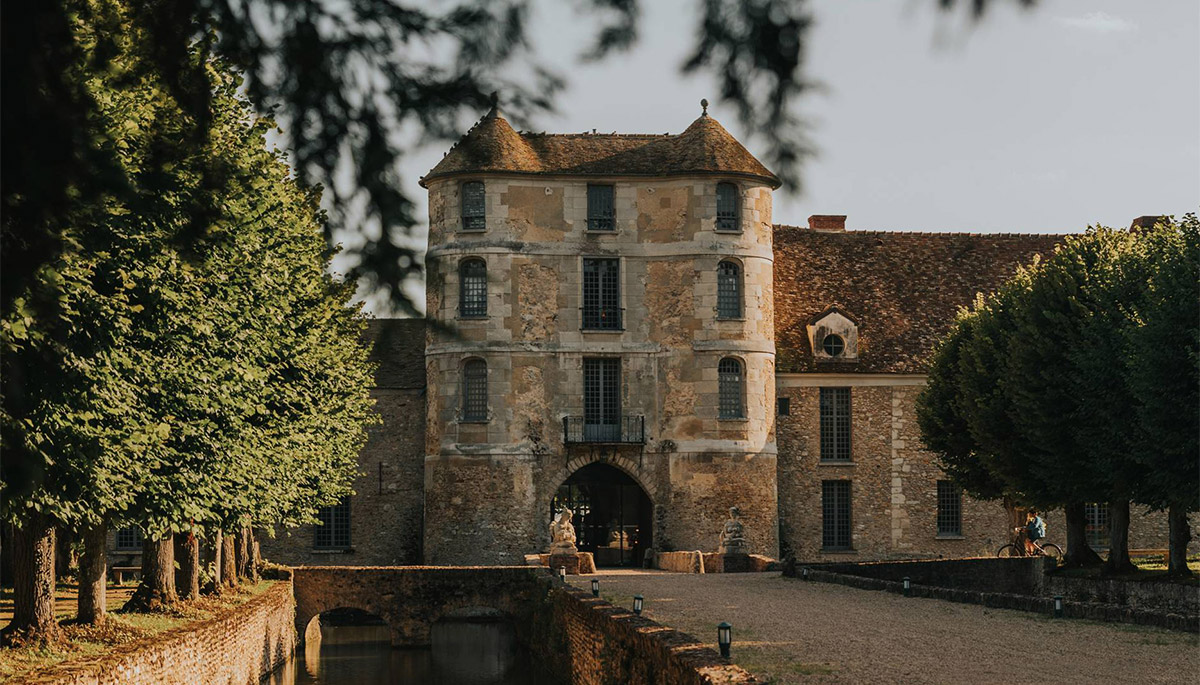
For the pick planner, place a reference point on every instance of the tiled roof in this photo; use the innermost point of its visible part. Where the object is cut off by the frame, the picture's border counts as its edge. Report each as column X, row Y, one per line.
column 705, row 147
column 902, row 288
column 399, row 350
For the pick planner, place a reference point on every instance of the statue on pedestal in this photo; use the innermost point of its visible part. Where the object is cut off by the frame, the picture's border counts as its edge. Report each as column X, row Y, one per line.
column 562, row 533
column 733, row 535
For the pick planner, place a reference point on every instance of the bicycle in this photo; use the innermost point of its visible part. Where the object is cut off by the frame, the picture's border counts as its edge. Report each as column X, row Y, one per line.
column 1040, row 549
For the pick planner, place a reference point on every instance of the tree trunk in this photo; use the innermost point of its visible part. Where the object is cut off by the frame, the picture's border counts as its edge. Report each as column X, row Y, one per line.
column 212, row 561
column 251, row 568
column 241, row 553
column 1118, row 539
column 1079, row 553
column 187, row 556
column 157, row 589
column 1181, row 535
column 228, row 561
column 33, row 581
column 93, row 567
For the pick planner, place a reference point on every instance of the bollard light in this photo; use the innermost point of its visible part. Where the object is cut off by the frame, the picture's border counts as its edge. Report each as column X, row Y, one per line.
column 562, row 573
column 637, row 604
column 907, row 587
column 724, row 637
column 1058, row 606
column 595, row 587
column 804, row 573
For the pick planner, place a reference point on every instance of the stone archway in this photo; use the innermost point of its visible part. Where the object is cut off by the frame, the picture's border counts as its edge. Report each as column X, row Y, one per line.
column 613, row 513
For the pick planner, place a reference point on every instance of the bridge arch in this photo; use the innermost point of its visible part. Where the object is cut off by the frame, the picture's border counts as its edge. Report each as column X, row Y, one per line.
column 410, row 599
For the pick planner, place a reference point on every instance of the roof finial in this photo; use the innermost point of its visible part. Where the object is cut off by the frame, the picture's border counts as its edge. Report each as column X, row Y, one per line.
column 494, row 112
column 704, row 105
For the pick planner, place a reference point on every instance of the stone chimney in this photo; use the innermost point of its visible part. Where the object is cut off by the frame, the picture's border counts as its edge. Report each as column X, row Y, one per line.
column 1147, row 221
column 827, row 222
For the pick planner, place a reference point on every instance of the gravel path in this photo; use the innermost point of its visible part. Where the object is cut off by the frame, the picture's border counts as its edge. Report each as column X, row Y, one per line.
column 791, row 631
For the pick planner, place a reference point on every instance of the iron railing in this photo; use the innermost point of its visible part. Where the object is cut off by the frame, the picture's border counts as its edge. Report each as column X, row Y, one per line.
column 622, row 430
column 598, row 318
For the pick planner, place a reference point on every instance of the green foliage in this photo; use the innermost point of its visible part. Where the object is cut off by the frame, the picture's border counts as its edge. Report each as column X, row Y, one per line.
column 178, row 365
column 1077, row 380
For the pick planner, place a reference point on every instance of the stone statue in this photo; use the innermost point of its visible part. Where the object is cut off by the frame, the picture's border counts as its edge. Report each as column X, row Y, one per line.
column 733, row 535
column 562, row 533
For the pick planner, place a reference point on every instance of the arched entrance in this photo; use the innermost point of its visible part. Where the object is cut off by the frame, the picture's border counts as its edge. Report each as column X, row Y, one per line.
column 613, row 516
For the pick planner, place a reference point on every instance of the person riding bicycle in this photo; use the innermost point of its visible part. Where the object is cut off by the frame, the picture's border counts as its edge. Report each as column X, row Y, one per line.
column 1035, row 529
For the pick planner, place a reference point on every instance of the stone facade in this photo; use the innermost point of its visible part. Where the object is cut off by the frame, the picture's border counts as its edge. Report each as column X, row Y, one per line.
column 489, row 484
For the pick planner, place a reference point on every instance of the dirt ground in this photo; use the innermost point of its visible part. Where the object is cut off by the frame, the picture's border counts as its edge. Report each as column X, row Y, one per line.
column 66, row 600
column 792, row 631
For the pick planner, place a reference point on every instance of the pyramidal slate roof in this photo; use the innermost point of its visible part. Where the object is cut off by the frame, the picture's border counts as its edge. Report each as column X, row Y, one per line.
column 705, row 147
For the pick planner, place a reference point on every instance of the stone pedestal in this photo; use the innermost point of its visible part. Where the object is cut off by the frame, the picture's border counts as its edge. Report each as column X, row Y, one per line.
column 735, row 563
column 567, row 561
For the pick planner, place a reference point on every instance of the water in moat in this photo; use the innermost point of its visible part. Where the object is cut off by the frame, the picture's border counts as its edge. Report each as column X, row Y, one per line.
column 463, row 653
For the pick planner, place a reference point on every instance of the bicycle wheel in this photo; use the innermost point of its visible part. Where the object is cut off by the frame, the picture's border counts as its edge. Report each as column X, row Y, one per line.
column 1009, row 551
column 1053, row 551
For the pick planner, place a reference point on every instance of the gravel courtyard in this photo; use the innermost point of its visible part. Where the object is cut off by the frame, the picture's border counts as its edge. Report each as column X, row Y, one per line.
column 791, row 631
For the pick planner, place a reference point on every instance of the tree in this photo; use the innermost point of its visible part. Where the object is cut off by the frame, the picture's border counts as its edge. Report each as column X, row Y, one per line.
column 1031, row 394
column 1162, row 353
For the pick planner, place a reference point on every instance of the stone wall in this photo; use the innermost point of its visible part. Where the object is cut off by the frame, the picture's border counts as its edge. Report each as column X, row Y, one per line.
column 488, row 484
column 1021, row 575
column 386, row 507
column 607, row 645
column 894, row 480
column 240, row 646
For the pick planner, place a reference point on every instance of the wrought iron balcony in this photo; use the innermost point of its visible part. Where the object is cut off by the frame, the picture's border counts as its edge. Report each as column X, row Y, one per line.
column 597, row 318
column 622, row 430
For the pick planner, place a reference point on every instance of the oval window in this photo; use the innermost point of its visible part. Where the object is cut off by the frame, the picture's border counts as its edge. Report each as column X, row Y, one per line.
column 833, row 345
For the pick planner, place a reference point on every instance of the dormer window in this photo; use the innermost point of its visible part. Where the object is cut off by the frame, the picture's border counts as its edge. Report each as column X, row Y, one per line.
column 727, row 208
column 833, row 336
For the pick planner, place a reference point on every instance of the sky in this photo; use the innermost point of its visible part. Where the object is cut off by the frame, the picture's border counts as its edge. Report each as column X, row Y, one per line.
column 1047, row 120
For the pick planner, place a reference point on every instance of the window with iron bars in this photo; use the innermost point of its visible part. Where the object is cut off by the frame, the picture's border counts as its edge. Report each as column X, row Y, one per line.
column 602, row 399
column 602, row 294
column 129, row 538
column 474, row 206
column 1095, row 515
column 729, row 290
column 835, row 514
column 835, row 424
column 334, row 531
column 472, row 288
column 949, row 508
column 730, row 383
column 601, row 210
column 727, row 208
column 475, row 393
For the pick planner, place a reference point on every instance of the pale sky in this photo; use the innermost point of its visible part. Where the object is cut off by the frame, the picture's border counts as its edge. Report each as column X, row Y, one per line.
column 1074, row 113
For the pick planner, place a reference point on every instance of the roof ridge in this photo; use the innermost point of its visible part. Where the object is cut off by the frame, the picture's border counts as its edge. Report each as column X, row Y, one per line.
column 614, row 134
column 902, row 231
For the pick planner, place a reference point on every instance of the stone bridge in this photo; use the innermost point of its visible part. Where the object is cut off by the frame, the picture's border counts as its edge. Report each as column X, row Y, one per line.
column 410, row 599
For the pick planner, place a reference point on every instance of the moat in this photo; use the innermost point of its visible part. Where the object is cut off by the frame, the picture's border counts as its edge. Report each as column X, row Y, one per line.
column 463, row 653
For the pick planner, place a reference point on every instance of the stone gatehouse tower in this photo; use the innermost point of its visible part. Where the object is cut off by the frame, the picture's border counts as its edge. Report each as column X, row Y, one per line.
column 601, row 322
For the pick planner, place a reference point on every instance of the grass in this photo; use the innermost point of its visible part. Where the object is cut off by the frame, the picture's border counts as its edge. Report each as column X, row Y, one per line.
column 1150, row 569
column 85, row 641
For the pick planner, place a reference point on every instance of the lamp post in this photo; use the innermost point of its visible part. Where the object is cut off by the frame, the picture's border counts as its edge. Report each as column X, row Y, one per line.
column 907, row 587
column 637, row 604
column 562, row 573
column 595, row 587
column 724, row 637
column 1058, row 606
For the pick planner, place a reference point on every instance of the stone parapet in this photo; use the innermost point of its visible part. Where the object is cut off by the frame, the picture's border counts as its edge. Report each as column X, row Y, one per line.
column 240, row 646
